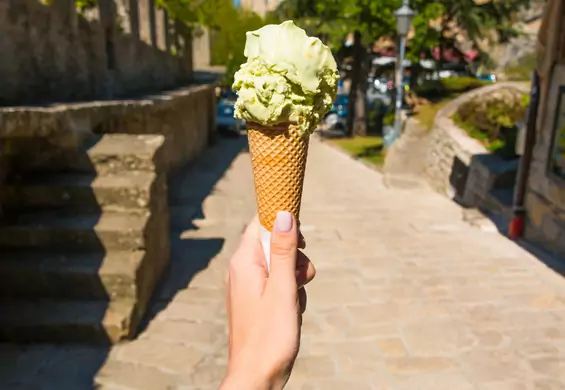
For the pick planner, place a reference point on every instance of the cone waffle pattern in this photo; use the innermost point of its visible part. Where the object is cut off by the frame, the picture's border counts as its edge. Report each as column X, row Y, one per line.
column 278, row 155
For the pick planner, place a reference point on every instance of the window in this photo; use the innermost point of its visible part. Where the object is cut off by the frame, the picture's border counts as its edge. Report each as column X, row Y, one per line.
column 557, row 157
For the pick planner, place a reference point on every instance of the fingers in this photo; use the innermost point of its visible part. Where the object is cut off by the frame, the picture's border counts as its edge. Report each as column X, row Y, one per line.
column 305, row 270
column 247, row 270
column 284, row 246
column 250, row 251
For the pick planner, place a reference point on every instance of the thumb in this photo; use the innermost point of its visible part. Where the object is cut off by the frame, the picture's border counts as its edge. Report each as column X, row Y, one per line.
column 284, row 247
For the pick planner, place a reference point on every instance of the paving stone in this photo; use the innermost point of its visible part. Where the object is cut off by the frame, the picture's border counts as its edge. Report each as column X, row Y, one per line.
column 168, row 357
column 391, row 347
column 314, row 367
column 491, row 365
column 137, row 376
column 414, row 364
column 186, row 333
column 438, row 338
column 407, row 297
column 443, row 381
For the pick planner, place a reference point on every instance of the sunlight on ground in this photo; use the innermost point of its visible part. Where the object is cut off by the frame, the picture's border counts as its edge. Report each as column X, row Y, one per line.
column 369, row 149
column 427, row 113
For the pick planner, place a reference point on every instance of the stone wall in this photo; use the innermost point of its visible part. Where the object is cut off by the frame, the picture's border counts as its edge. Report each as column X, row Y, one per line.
column 32, row 136
column 453, row 166
column 545, row 197
column 186, row 117
column 51, row 53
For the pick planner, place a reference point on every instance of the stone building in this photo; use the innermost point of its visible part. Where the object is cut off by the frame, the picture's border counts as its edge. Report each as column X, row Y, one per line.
column 545, row 190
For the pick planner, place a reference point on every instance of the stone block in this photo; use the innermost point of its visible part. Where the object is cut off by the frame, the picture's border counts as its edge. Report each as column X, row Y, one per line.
column 415, row 365
column 78, row 55
column 537, row 208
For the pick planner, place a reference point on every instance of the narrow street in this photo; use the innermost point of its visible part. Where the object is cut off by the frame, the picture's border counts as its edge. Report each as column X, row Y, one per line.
column 408, row 296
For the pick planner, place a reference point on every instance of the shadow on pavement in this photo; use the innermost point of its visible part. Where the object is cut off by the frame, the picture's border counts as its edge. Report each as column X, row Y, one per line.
column 487, row 200
column 188, row 188
column 557, row 264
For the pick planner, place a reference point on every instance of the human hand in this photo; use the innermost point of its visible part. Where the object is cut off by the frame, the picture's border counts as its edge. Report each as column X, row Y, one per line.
column 265, row 309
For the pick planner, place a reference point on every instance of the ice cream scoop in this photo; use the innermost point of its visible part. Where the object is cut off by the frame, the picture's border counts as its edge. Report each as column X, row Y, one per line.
column 284, row 90
column 289, row 77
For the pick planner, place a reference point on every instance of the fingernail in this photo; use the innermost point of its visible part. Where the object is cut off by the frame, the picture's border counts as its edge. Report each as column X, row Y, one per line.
column 283, row 222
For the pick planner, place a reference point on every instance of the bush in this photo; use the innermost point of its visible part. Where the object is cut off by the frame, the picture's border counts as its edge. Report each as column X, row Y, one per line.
column 462, row 84
column 492, row 118
column 448, row 86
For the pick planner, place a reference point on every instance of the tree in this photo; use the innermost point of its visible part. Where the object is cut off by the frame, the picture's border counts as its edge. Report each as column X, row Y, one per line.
column 333, row 20
column 227, row 24
column 481, row 22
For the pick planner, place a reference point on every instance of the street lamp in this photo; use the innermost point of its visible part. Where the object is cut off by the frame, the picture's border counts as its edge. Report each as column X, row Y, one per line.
column 403, row 20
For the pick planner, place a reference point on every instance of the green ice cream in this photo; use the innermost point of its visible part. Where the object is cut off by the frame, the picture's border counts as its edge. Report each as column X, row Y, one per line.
column 288, row 77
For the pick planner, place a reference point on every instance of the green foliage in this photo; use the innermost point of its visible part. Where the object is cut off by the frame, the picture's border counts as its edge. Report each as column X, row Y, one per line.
column 227, row 25
column 492, row 119
column 462, row 84
column 229, row 40
column 425, row 37
column 426, row 113
column 336, row 18
column 369, row 149
column 439, row 89
column 198, row 12
column 83, row 5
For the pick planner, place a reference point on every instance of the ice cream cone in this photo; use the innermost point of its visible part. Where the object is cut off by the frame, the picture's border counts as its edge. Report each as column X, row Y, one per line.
column 278, row 155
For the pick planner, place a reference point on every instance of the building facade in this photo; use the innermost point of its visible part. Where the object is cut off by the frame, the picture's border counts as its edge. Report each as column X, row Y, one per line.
column 545, row 190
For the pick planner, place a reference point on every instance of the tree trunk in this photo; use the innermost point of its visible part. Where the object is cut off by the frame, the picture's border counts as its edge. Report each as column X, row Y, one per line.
column 360, row 124
column 356, row 110
column 441, row 50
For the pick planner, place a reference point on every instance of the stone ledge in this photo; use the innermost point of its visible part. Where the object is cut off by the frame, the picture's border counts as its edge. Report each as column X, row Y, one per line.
column 451, row 150
column 32, row 136
column 181, row 115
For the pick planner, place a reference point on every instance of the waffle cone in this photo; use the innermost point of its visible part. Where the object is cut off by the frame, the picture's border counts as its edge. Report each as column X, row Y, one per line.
column 278, row 156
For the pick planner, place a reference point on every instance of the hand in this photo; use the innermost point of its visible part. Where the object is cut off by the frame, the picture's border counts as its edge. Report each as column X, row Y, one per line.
column 265, row 309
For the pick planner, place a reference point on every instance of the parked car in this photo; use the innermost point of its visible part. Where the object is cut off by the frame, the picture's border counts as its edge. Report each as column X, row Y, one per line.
column 489, row 77
column 224, row 113
column 336, row 118
column 381, row 84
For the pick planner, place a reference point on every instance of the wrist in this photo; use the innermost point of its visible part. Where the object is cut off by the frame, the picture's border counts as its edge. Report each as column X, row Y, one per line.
column 238, row 379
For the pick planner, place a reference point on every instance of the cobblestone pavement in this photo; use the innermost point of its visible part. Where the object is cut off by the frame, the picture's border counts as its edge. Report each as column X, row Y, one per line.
column 407, row 297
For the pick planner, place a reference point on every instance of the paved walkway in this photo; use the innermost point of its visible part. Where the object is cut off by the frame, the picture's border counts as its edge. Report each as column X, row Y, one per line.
column 407, row 297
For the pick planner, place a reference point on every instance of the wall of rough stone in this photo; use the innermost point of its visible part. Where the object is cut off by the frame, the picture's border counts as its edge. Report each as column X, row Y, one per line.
column 186, row 117
column 454, row 165
column 34, row 136
column 545, row 197
column 51, row 53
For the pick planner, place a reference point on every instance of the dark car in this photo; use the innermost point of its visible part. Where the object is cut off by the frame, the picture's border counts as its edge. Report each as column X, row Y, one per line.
column 336, row 118
column 224, row 113
column 341, row 105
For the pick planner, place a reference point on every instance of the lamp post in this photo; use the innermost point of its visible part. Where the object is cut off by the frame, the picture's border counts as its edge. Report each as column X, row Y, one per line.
column 403, row 19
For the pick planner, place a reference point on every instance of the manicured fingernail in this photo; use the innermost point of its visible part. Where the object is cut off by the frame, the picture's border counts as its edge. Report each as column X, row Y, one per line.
column 283, row 222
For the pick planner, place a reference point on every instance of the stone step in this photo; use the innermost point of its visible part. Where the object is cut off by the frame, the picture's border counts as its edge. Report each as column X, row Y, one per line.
column 105, row 276
column 51, row 230
column 111, row 153
column 86, row 192
column 95, row 322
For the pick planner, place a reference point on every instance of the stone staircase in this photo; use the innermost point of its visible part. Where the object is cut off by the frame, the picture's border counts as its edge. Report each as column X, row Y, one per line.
column 85, row 242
